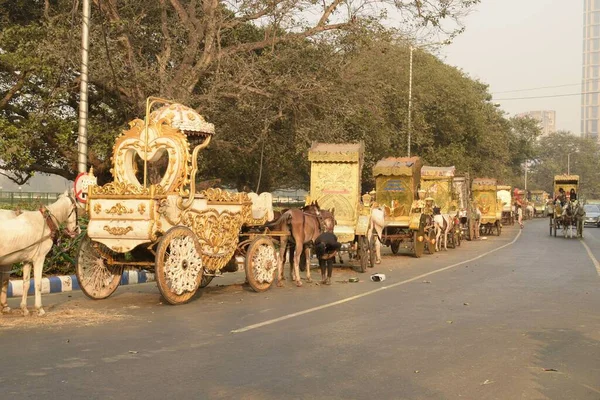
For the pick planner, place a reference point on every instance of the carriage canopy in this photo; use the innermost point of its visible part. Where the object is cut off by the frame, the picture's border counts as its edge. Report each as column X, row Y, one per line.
column 397, row 180
column 437, row 184
column 485, row 196
column 566, row 182
column 504, row 194
column 335, row 182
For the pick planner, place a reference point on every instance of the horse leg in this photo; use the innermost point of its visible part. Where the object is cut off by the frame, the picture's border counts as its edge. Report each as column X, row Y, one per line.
column 281, row 260
column 4, row 279
column 38, row 266
column 298, row 253
column 307, row 256
column 26, row 283
column 438, row 234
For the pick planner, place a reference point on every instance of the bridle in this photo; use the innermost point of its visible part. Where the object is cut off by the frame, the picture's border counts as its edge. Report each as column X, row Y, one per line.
column 53, row 223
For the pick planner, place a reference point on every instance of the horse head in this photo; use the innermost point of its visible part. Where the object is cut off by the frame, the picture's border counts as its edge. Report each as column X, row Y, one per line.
column 68, row 208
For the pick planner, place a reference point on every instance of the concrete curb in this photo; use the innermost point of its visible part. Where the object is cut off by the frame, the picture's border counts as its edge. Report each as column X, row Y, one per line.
column 68, row 283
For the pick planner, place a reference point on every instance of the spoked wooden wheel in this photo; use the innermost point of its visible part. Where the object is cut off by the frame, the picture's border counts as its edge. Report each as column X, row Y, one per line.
column 97, row 279
column 419, row 242
column 363, row 253
column 178, row 265
column 395, row 246
column 261, row 264
column 430, row 239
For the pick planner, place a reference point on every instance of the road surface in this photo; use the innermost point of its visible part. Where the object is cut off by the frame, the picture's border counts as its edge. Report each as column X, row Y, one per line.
column 510, row 317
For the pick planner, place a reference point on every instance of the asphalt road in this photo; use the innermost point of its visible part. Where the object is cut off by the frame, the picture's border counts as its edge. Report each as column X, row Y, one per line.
column 510, row 317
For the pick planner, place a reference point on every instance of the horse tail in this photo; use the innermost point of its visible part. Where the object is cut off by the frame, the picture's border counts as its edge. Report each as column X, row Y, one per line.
column 284, row 219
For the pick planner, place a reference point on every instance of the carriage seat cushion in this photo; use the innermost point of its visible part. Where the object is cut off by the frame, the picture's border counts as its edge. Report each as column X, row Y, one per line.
column 262, row 204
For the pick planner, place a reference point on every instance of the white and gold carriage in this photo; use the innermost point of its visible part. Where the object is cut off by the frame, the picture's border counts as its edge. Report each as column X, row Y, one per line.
column 151, row 216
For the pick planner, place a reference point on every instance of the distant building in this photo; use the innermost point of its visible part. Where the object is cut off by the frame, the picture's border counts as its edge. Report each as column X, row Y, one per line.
column 546, row 120
column 590, row 98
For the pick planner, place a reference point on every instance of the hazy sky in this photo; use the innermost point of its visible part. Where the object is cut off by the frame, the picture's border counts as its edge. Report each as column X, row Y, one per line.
column 525, row 44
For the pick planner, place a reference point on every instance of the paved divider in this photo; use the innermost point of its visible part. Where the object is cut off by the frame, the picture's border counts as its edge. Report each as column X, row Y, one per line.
column 68, row 283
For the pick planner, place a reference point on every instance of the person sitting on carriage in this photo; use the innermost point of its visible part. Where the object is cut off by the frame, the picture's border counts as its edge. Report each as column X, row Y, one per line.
column 572, row 195
column 326, row 248
column 561, row 197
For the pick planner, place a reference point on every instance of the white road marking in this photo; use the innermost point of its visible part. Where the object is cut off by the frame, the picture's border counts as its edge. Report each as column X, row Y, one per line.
column 589, row 251
column 370, row 292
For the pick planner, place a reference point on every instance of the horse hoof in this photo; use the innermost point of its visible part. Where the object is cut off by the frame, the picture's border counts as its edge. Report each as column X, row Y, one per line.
column 25, row 311
column 328, row 281
column 298, row 283
column 6, row 310
column 309, row 280
column 280, row 284
column 41, row 312
column 378, row 262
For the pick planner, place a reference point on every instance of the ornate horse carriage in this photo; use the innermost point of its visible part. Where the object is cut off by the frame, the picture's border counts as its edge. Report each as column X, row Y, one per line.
column 437, row 182
column 335, row 183
column 486, row 200
column 566, row 183
column 151, row 217
column 504, row 194
column 540, row 200
column 466, row 211
column 404, row 219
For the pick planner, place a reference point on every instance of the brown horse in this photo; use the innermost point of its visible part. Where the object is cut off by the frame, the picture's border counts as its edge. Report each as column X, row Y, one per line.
column 303, row 226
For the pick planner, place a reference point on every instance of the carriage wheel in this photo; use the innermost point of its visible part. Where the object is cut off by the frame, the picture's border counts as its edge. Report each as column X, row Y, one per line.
column 206, row 280
column 261, row 264
column 178, row 265
column 372, row 251
column 419, row 245
column 498, row 228
column 430, row 241
column 96, row 278
column 395, row 246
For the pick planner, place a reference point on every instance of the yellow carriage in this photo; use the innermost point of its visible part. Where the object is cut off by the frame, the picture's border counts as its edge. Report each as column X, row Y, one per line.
column 407, row 218
column 335, row 183
column 566, row 183
column 486, row 200
column 437, row 182
column 504, row 194
column 539, row 198
column 151, row 216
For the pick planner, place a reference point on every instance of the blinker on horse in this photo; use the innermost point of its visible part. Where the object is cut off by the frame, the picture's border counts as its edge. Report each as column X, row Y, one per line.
column 28, row 238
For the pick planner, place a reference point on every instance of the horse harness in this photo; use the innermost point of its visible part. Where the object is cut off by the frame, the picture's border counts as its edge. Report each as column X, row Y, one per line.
column 52, row 225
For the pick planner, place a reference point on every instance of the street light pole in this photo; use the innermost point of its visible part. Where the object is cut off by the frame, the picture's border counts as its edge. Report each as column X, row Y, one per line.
column 82, row 142
column 569, row 164
column 410, row 78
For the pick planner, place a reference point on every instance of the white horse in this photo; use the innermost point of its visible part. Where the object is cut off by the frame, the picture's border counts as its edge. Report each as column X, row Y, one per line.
column 28, row 238
column 529, row 211
column 377, row 224
column 443, row 224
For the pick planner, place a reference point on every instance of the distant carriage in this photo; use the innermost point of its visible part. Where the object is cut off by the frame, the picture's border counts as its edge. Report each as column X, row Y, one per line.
column 566, row 183
column 504, row 194
column 539, row 198
column 466, row 211
column 486, row 200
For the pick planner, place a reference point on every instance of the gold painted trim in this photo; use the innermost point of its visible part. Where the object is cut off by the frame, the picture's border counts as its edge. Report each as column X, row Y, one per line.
column 117, row 230
column 119, row 209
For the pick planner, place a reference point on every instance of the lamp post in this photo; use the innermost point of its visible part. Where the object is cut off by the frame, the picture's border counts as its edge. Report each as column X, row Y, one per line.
column 410, row 79
column 410, row 82
column 569, row 163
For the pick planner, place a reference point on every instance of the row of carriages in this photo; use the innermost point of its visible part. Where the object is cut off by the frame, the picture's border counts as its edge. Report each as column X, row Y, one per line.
column 187, row 236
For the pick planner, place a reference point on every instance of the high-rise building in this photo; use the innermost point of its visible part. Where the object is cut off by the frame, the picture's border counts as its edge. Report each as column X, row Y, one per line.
column 590, row 98
column 546, row 120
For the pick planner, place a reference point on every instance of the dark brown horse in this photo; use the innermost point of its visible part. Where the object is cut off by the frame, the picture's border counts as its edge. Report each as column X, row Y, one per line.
column 303, row 226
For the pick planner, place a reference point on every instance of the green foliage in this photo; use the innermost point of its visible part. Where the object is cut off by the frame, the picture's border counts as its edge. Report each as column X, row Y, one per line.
column 552, row 159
